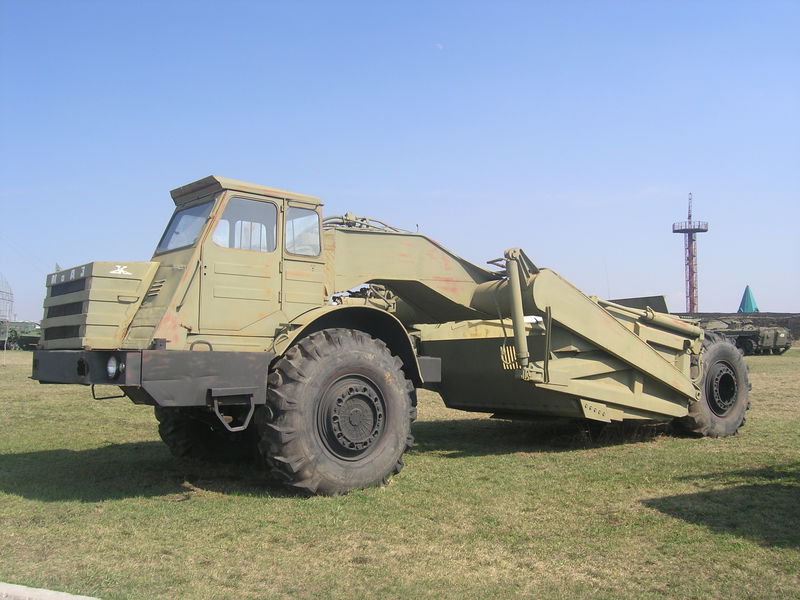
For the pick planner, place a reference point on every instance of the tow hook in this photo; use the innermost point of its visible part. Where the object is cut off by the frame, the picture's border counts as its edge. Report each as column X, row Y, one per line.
column 233, row 397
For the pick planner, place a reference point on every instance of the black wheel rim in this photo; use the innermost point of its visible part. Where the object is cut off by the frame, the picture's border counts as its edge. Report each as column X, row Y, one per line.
column 351, row 417
column 721, row 390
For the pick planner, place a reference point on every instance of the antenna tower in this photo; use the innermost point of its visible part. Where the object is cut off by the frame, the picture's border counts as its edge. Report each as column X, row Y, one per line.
column 6, row 300
column 690, row 228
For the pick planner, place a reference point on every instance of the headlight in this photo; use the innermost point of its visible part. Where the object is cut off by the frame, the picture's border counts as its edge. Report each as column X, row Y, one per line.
column 114, row 367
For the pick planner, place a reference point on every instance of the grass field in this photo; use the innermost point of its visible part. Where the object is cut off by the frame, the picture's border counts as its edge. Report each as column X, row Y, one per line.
column 92, row 503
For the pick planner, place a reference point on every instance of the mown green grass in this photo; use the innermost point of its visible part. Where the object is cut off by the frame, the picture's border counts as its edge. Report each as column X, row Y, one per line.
column 91, row 502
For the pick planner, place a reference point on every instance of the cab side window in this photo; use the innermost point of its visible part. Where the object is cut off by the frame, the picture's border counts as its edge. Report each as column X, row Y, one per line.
column 247, row 225
column 302, row 231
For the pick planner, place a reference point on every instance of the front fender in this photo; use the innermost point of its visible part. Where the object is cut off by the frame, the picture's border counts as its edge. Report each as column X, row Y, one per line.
column 374, row 321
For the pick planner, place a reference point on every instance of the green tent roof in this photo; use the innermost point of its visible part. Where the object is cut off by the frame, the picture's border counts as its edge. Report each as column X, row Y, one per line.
column 748, row 303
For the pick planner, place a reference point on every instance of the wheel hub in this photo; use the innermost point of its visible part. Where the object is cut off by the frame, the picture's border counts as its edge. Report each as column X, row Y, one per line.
column 351, row 417
column 723, row 389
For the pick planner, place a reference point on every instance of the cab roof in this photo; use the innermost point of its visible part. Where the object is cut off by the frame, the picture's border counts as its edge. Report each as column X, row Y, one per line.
column 214, row 183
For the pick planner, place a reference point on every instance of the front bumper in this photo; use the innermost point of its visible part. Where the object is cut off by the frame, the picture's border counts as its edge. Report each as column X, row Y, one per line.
column 86, row 367
column 164, row 377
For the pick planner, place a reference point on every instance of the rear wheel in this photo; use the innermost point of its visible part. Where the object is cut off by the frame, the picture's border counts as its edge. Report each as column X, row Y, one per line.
column 189, row 433
column 338, row 415
column 724, row 391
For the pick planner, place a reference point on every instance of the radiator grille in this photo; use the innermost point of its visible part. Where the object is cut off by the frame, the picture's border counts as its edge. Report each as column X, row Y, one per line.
column 68, row 287
column 65, row 310
column 62, row 333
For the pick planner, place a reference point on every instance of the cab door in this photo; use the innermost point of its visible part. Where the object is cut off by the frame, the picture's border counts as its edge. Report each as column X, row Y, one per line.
column 240, row 278
column 303, row 265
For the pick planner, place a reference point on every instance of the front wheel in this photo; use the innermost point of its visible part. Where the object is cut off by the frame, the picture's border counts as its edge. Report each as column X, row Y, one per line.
column 338, row 415
column 724, row 391
column 189, row 433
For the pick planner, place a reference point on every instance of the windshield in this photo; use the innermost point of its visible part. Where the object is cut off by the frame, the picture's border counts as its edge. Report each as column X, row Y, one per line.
column 184, row 228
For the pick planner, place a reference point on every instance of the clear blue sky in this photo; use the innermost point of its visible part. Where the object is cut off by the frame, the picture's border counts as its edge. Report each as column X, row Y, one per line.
column 574, row 130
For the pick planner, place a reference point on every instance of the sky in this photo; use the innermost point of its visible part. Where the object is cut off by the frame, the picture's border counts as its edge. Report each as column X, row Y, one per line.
column 574, row 130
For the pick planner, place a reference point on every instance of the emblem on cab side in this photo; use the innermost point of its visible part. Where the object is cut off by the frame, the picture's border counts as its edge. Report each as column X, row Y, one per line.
column 121, row 270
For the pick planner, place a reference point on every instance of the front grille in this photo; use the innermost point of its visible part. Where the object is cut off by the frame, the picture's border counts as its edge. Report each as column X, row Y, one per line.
column 65, row 310
column 68, row 287
column 62, row 333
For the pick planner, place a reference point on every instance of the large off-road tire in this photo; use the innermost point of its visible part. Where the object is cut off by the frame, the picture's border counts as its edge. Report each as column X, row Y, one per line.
column 338, row 415
column 725, row 387
column 190, row 434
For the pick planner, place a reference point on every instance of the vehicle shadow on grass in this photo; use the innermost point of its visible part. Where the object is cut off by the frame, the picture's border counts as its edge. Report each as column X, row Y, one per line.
column 765, row 511
column 147, row 469
column 129, row 470
column 481, row 437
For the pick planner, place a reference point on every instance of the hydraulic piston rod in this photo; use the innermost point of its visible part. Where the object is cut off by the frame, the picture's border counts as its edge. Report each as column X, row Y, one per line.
column 517, row 313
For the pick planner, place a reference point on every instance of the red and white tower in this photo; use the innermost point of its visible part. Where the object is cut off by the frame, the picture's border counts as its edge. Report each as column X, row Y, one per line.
column 690, row 228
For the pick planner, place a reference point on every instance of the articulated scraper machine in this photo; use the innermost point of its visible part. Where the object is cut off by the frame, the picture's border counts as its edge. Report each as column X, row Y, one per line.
column 259, row 326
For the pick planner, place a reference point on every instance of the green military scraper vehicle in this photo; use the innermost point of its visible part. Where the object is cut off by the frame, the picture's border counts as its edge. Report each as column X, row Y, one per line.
column 260, row 325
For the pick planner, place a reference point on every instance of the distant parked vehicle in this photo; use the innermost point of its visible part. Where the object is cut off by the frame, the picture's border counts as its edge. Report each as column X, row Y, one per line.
column 750, row 338
column 19, row 335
